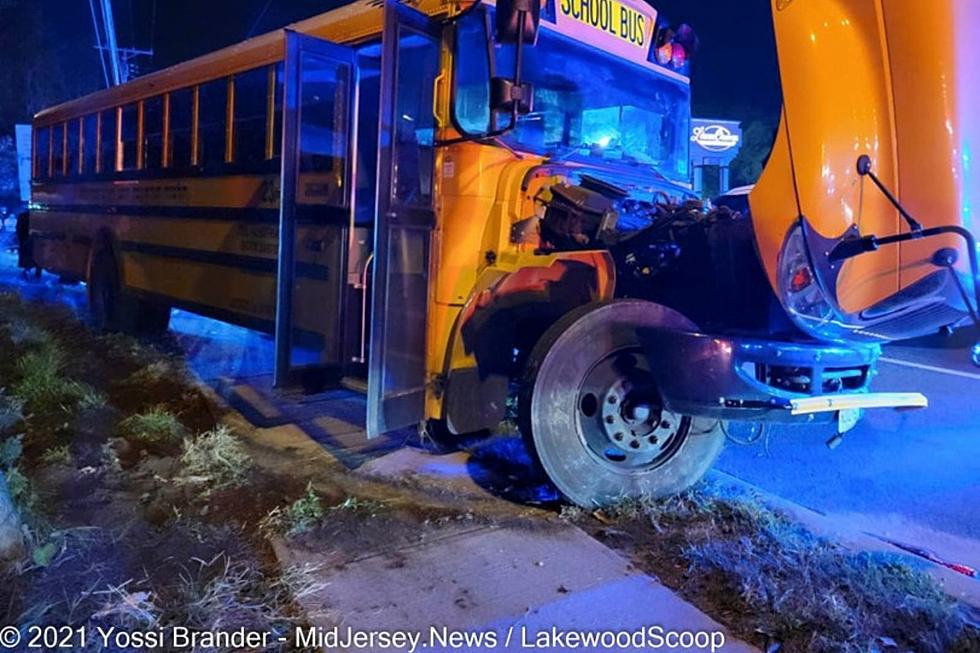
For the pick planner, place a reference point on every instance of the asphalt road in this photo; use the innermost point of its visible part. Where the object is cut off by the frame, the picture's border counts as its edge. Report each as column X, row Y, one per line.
column 909, row 476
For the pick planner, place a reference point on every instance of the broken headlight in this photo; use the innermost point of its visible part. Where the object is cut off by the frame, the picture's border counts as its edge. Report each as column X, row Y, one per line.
column 804, row 298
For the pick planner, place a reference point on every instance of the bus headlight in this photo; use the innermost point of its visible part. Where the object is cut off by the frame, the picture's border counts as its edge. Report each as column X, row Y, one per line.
column 803, row 297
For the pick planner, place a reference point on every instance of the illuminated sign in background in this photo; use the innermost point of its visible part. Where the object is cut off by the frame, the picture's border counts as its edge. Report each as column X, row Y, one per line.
column 714, row 142
column 23, row 135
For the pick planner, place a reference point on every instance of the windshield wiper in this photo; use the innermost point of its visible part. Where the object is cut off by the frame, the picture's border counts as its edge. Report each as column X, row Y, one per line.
column 564, row 156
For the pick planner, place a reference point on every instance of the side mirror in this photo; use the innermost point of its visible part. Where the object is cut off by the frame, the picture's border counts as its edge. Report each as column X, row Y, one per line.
column 518, row 20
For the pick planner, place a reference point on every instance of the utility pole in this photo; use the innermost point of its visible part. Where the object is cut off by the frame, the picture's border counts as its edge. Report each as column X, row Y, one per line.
column 121, row 60
column 119, row 75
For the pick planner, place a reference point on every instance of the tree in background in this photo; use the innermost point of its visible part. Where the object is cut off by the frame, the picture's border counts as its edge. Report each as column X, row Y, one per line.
column 47, row 58
column 9, row 183
column 758, row 134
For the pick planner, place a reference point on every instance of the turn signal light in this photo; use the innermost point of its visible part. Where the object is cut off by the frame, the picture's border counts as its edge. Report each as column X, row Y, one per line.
column 678, row 55
column 801, row 279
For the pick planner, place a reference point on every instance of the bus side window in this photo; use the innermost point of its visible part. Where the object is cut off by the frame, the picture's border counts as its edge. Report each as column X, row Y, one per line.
column 128, row 141
column 90, row 143
column 251, row 110
column 108, row 161
column 212, row 115
column 74, row 143
column 58, row 150
column 153, row 133
column 42, row 153
column 181, row 124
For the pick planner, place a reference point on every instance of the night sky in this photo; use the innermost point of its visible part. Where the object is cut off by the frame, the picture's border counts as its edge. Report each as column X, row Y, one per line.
column 47, row 52
column 735, row 68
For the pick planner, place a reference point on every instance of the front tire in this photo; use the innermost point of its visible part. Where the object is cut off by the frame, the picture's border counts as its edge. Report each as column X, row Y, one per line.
column 592, row 416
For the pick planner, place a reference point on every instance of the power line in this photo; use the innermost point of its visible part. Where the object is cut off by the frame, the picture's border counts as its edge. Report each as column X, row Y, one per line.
column 258, row 20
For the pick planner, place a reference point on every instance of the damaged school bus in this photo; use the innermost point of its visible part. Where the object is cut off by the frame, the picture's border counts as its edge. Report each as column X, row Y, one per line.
column 458, row 203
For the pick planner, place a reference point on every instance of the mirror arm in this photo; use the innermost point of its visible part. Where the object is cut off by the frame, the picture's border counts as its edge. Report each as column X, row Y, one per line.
column 518, row 64
column 491, row 64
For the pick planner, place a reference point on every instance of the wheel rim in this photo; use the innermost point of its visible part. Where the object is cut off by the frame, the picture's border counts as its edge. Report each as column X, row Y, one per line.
column 597, row 350
column 620, row 418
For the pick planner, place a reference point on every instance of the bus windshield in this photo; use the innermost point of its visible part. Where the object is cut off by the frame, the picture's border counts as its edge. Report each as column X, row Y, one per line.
column 588, row 105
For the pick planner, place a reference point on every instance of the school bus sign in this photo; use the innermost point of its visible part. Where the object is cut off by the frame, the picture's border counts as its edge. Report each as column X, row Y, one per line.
column 624, row 27
column 613, row 18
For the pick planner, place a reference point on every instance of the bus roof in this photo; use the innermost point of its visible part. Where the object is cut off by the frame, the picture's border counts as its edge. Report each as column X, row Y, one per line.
column 351, row 23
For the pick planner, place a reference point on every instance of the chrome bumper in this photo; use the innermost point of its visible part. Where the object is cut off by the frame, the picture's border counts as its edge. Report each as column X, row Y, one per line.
column 765, row 380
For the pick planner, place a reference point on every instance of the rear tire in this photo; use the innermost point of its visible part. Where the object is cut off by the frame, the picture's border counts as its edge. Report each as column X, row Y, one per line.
column 112, row 309
column 103, row 291
column 591, row 415
column 153, row 319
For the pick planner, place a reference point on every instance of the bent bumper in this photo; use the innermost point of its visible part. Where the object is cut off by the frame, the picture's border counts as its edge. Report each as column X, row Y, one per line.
column 835, row 403
column 765, row 380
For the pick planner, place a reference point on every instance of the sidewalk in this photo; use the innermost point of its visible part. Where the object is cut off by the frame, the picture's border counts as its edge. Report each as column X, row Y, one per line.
column 518, row 582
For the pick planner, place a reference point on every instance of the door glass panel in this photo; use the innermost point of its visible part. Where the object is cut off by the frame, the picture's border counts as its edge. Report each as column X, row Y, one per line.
column 317, row 98
column 415, row 124
column 323, row 140
column 396, row 366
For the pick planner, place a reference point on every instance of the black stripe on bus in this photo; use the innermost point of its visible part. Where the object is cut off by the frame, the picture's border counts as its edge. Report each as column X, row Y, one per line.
column 49, row 235
column 305, row 214
column 250, row 263
column 61, row 236
column 301, row 337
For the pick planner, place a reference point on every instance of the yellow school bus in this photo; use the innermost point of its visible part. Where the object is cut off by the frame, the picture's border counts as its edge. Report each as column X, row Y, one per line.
column 458, row 203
